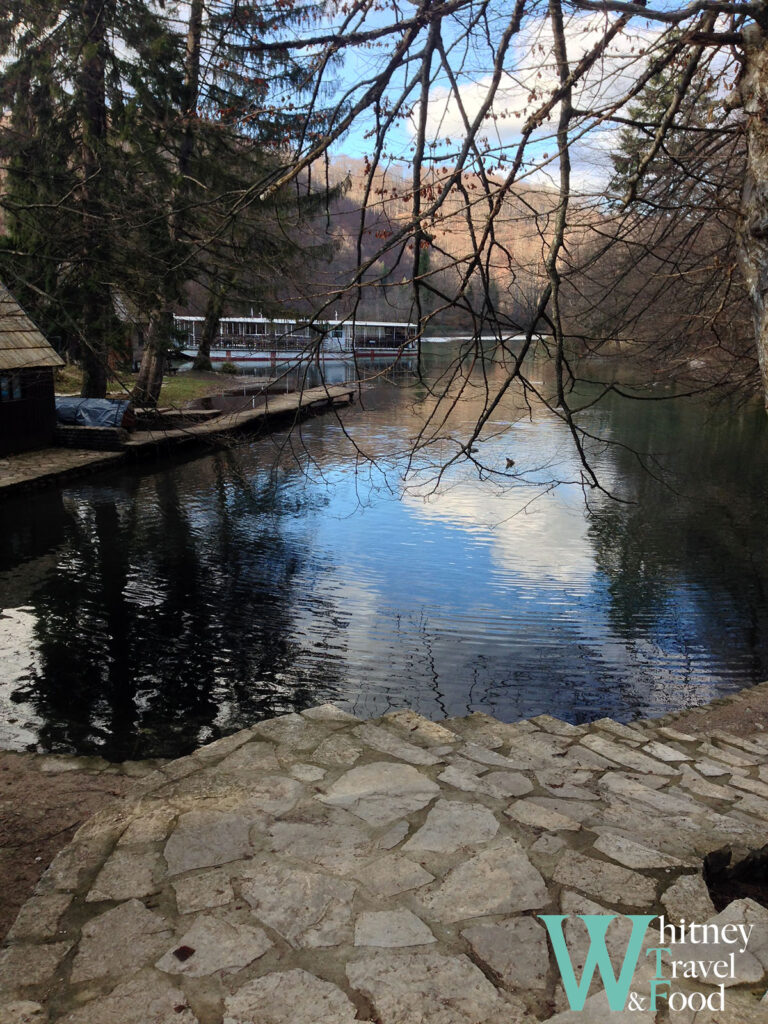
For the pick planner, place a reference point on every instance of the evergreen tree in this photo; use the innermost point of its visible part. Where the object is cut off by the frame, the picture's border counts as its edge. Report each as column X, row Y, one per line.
column 235, row 135
column 135, row 147
column 77, row 83
column 684, row 141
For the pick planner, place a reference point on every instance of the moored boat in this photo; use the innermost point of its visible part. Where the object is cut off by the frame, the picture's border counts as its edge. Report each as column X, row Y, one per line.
column 262, row 340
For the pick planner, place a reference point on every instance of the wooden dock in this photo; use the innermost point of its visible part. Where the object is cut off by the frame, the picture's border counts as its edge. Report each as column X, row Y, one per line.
column 51, row 466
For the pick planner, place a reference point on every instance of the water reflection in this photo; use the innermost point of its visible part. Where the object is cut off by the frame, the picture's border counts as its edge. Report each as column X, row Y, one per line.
column 149, row 611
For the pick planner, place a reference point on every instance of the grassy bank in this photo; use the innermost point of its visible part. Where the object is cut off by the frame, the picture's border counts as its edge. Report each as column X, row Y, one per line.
column 178, row 389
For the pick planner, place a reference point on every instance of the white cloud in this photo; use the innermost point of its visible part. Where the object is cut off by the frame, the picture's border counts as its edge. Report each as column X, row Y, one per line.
column 531, row 76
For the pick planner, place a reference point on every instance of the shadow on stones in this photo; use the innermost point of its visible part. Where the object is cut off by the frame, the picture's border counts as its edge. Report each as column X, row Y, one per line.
column 747, row 878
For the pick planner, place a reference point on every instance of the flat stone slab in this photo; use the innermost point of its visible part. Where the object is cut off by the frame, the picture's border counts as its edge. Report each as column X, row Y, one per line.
column 495, row 881
column 452, row 825
column 425, row 988
column 289, row 997
column 317, row 869
column 212, row 944
column 391, row 928
column 515, row 950
column 382, row 792
column 307, row 908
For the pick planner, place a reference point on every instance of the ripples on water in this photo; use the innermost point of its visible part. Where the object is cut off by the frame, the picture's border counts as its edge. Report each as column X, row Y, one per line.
column 150, row 611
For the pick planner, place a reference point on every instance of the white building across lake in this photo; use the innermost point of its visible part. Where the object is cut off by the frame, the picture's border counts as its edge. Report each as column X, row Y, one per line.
column 261, row 340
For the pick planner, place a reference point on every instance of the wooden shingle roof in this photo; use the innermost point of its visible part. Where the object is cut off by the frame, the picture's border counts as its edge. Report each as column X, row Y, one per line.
column 21, row 343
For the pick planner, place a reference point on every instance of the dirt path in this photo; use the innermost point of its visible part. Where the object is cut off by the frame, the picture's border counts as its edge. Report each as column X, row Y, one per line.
column 43, row 800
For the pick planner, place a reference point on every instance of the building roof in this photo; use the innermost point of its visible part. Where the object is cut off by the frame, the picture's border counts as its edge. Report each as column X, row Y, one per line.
column 21, row 343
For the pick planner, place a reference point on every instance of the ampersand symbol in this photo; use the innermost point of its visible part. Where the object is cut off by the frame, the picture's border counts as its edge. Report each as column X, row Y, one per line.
column 635, row 1002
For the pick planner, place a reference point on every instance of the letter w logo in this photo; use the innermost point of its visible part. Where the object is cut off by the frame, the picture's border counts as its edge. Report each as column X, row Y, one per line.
column 617, row 989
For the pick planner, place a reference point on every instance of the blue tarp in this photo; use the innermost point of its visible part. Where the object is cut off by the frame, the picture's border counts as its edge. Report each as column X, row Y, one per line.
column 91, row 412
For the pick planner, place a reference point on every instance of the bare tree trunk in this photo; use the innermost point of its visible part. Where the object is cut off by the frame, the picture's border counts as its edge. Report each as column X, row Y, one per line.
column 753, row 228
column 96, row 305
column 146, row 392
column 213, row 311
column 150, row 382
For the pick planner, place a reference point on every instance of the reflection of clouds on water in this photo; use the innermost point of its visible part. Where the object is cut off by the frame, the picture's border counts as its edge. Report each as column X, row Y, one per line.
column 170, row 603
column 530, row 535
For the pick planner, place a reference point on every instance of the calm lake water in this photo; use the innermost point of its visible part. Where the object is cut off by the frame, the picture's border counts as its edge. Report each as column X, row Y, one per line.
column 150, row 610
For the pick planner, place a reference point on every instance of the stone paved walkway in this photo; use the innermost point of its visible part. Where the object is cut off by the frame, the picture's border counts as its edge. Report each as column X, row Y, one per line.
column 317, row 869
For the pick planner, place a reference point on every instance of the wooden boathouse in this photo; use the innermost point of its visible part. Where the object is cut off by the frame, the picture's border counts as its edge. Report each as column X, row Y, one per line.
column 27, row 362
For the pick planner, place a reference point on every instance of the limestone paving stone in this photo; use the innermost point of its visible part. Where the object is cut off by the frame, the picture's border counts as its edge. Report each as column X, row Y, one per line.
column 420, row 729
column 147, row 998
column 533, row 814
column 393, row 836
column 505, row 784
column 128, row 873
column 337, row 751
column 547, row 845
column 624, row 732
column 499, row 880
column 712, row 769
column 468, row 781
column 425, row 988
column 633, row 854
column 669, row 733
column 27, row 966
column 206, row 838
column 289, row 997
column 474, row 752
column 729, row 756
column 39, row 917
column 329, row 713
column 536, row 751
column 515, row 950
column 294, row 731
column 752, row 746
column 579, row 758
column 150, row 827
column 688, row 897
column 668, row 802
column 214, row 944
column 664, row 752
column 23, row 1012
column 252, row 756
column 581, row 811
column 203, row 891
column 452, row 825
column 483, row 729
column 599, row 878
column 387, row 742
column 627, row 756
column 381, row 792
column 556, row 726
column 753, row 786
column 307, row 908
column 388, row 876
column 332, row 845
column 218, row 749
column 691, row 780
column 284, row 853
column 307, row 772
column 76, row 863
column 569, row 785
column 391, row 929
column 750, row 804
column 119, row 942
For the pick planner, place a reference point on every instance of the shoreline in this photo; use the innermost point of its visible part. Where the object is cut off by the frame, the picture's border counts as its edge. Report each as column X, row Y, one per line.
column 45, row 798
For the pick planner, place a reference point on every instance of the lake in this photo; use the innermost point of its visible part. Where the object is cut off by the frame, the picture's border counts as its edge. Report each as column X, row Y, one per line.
column 151, row 609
